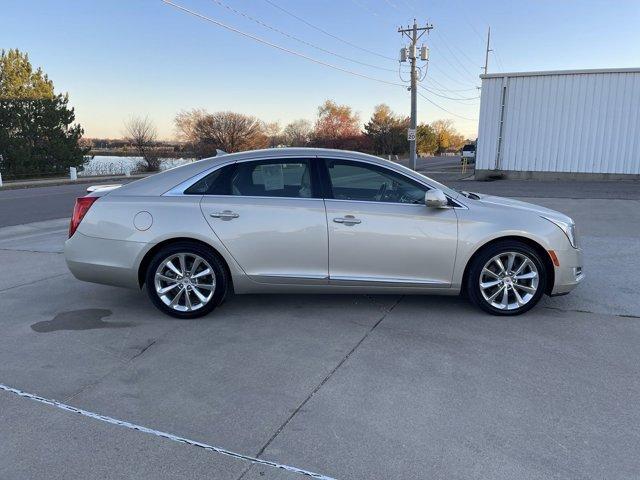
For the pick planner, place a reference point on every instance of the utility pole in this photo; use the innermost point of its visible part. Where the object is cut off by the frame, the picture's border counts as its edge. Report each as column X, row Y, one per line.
column 413, row 33
column 486, row 55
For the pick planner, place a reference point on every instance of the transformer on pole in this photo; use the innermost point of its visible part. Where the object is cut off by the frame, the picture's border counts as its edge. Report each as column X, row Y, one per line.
column 414, row 34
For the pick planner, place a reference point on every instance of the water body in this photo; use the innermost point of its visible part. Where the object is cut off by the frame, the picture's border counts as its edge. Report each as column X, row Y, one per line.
column 112, row 165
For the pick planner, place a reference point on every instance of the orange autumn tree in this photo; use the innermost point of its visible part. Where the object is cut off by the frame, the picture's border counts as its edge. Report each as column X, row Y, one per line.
column 337, row 126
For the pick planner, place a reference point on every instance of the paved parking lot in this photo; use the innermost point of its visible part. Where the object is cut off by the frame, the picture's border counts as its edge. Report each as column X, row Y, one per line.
column 349, row 387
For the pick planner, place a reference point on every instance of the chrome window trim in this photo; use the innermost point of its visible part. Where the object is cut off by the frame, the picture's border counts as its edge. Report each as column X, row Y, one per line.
column 179, row 189
column 386, row 203
column 276, row 159
column 259, row 197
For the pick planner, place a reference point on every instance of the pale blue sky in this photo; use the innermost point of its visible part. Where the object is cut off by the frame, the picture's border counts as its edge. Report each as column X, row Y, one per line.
column 119, row 58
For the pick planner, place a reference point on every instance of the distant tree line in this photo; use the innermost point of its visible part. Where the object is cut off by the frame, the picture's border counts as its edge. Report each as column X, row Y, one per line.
column 336, row 126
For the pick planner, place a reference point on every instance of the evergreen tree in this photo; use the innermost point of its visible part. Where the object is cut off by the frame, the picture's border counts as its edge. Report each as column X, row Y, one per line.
column 387, row 131
column 427, row 143
column 37, row 134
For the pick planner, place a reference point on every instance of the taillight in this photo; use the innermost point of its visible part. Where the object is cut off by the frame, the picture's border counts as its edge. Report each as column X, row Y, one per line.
column 80, row 209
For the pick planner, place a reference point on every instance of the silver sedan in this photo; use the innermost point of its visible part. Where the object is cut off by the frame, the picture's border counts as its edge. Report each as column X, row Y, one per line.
column 315, row 220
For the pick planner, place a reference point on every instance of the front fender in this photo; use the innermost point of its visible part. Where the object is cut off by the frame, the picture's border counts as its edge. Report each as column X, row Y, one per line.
column 474, row 233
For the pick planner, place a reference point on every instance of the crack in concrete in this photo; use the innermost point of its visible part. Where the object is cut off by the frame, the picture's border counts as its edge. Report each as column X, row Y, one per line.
column 34, row 281
column 29, row 251
column 125, row 364
column 576, row 310
column 144, row 349
column 323, row 382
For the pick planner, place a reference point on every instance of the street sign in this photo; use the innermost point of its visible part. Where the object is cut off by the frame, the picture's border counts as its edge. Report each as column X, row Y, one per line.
column 411, row 134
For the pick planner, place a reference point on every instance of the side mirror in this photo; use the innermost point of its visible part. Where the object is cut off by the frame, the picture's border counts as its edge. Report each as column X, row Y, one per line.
column 435, row 198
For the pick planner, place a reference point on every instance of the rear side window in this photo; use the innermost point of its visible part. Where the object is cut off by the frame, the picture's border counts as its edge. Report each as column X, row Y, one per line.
column 265, row 178
column 274, row 178
column 216, row 183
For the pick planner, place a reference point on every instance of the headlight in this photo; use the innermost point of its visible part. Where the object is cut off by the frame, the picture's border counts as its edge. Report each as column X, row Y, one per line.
column 569, row 230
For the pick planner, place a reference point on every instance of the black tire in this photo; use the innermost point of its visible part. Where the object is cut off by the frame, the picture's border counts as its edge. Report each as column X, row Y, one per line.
column 474, row 291
column 222, row 281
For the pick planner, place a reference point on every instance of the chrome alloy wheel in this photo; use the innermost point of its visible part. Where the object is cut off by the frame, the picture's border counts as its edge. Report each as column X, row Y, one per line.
column 185, row 282
column 509, row 280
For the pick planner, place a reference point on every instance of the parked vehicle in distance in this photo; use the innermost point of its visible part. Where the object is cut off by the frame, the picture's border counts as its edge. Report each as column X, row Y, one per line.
column 468, row 153
column 315, row 220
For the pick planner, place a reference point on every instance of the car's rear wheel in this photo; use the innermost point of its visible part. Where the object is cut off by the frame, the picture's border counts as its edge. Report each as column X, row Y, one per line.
column 186, row 280
column 507, row 278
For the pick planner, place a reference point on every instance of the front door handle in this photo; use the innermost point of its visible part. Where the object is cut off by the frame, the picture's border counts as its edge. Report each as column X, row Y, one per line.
column 347, row 220
column 225, row 215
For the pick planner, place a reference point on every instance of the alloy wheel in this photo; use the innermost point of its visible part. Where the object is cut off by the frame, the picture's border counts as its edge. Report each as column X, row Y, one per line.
column 185, row 282
column 509, row 280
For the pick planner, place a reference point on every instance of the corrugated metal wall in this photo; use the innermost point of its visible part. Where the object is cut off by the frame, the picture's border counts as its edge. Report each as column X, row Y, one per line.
column 561, row 122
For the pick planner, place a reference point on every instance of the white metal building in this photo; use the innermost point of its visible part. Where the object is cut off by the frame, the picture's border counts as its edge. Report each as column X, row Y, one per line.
column 574, row 121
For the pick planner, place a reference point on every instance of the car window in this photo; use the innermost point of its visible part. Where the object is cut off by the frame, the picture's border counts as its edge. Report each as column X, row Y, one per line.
column 272, row 178
column 216, row 183
column 356, row 181
column 280, row 178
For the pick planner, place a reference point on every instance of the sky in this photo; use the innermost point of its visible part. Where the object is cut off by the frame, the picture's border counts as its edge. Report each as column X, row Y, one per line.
column 123, row 58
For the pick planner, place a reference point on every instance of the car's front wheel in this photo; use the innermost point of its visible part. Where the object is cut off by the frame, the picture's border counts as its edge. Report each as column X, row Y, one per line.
column 186, row 280
column 507, row 278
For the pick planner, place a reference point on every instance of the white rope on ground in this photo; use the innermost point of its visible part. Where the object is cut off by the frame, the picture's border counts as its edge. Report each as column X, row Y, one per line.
column 157, row 433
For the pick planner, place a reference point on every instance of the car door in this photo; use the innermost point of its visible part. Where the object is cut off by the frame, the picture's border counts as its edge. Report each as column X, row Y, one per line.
column 380, row 230
column 270, row 217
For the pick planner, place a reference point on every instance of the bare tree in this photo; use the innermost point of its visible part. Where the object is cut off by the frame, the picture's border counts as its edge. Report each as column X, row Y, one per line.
column 228, row 131
column 298, row 133
column 272, row 131
column 141, row 133
column 185, row 123
column 187, row 129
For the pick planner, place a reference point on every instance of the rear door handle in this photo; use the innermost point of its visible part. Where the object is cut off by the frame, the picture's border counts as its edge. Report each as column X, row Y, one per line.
column 225, row 215
column 347, row 220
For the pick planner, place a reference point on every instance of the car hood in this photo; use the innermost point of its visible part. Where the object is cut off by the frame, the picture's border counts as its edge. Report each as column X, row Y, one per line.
column 519, row 205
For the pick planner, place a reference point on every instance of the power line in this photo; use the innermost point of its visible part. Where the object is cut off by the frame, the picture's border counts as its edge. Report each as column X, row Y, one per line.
column 466, row 19
column 293, row 37
column 306, row 57
column 347, row 42
column 455, row 57
column 365, row 7
column 278, row 47
column 462, row 52
column 392, row 4
column 497, row 55
column 445, row 110
column 449, row 77
column 448, row 98
column 270, row 2
column 443, row 87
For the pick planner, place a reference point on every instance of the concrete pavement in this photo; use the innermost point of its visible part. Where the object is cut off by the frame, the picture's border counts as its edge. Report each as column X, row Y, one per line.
column 347, row 386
